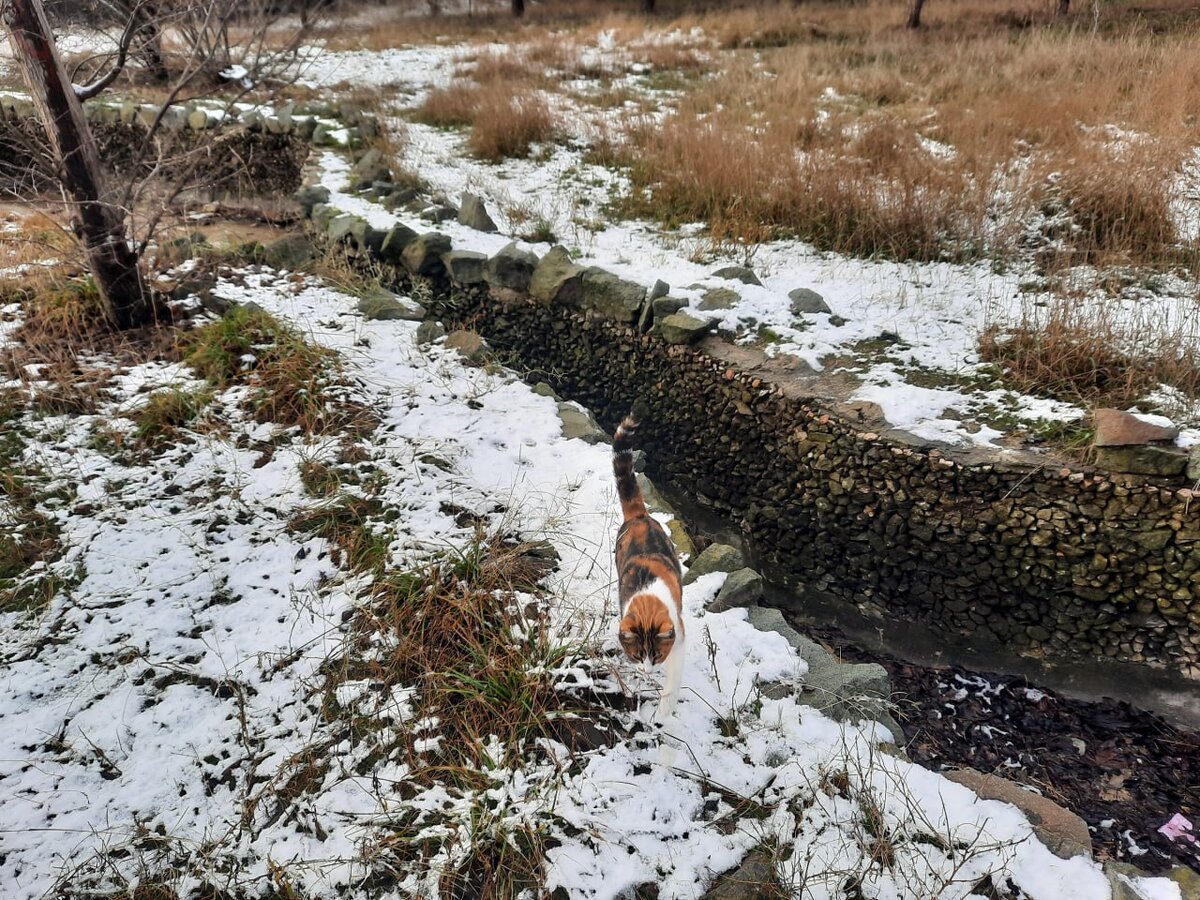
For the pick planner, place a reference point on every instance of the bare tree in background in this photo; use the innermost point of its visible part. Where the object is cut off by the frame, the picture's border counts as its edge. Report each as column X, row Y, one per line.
column 914, row 13
column 518, row 8
column 1064, row 6
column 213, row 34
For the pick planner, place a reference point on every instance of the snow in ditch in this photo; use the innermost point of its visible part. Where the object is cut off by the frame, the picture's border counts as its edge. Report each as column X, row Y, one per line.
column 175, row 683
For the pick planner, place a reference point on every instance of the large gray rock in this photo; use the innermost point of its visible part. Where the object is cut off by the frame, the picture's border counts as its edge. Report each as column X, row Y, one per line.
column 557, row 279
column 423, row 255
column 511, row 268
column 1193, row 466
column 1064, row 833
column 741, row 589
column 612, row 297
column 372, row 240
column 659, row 289
column 394, row 242
column 655, row 501
column 666, row 306
column 715, row 558
column 807, row 301
column 428, row 332
column 346, row 228
column 1148, row 459
column 577, row 422
column 290, row 252
column 473, row 214
column 469, row 345
column 384, row 305
column 465, row 266
column 371, row 167
column 309, row 196
column 438, row 214
column 684, row 328
column 718, row 298
column 738, row 273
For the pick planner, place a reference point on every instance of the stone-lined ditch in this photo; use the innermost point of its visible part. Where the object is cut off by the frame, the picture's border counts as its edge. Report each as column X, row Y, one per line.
column 1086, row 579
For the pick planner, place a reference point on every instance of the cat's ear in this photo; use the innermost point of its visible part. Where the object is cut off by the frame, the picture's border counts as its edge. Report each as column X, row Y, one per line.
column 668, row 635
column 626, row 635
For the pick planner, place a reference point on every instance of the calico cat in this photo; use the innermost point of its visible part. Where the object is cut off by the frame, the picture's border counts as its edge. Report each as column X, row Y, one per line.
column 649, row 578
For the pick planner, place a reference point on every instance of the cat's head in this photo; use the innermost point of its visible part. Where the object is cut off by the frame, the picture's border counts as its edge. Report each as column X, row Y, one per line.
column 646, row 631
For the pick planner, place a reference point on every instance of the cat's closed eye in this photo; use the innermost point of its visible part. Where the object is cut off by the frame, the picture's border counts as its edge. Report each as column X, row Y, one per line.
column 666, row 635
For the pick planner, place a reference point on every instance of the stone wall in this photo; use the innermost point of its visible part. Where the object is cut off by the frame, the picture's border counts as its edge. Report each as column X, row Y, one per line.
column 1047, row 560
column 255, row 151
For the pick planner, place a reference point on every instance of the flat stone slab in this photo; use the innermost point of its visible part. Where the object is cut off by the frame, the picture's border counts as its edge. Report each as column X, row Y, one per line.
column 1115, row 428
column 1064, row 833
column 741, row 589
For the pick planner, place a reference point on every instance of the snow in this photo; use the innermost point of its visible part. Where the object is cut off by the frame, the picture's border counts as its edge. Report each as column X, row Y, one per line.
column 178, row 677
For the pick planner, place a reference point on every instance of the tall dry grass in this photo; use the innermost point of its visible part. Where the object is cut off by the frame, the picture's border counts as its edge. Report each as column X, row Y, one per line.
column 507, row 116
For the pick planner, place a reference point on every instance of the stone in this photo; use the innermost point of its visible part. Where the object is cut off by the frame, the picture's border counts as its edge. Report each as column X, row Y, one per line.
column 373, row 238
column 470, row 346
column 805, row 301
column 836, row 321
column 197, row 120
column 659, row 289
column 473, row 214
column 344, row 227
column 423, row 255
column 741, row 588
column 542, row 389
column 382, row 304
column 371, row 167
column 718, row 298
column 438, row 214
column 1193, row 466
column 1115, row 428
column 610, row 296
column 1122, row 877
column 428, row 332
column 1147, row 459
column 465, row 266
column 753, row 879
column 1188, row 881
column 682, row 540
column 1064, row 833
column 511, row 268
column 654, row 500
column 322, row 215
column 715, row 558
column 394, row 243
column 290, row 252
column 683, row 328
column 557, row 279
column 578, row 422
column 738, row 273
column 665, row 306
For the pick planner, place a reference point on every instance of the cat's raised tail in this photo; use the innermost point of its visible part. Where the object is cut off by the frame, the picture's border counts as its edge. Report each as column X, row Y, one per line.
column 632, row 504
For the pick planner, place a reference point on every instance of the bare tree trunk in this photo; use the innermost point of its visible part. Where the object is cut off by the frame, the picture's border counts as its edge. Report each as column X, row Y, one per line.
column 149, row 40
column 112, row 261
column 518, row 8
column 1064, row 6
column 914, row 13
column 648, row 6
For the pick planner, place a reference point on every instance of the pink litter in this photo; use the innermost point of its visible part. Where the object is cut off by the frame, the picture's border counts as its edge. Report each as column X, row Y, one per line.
column 1178, row 828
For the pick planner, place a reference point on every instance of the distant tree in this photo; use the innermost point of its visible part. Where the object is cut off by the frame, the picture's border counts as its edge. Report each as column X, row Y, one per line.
column 648, row 6
column 1064, row 7
column 914, row 13
column 518, row 8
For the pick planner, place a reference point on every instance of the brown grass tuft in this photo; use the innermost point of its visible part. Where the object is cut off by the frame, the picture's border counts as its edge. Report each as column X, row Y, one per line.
column 506, row 117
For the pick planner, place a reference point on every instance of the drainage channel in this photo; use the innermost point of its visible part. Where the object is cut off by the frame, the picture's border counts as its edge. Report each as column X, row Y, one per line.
column 1124, row 770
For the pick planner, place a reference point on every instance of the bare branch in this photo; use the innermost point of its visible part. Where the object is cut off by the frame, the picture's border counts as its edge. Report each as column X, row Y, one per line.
column 91, row 90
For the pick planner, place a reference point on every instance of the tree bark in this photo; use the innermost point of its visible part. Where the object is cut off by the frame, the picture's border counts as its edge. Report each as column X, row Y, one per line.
column 112, row 262
column 518, row 8
column 914, row 13
column 1064, row 6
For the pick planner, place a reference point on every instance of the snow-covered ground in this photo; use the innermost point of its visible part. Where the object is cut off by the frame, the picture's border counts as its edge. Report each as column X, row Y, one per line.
column 154, row 713
column 932, row 313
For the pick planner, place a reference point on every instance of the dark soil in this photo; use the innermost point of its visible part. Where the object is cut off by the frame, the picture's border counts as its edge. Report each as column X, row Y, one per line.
column 1124, row 771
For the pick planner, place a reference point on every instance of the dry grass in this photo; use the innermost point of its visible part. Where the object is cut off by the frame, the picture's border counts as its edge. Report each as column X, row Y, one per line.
column 293, row 382
column 507, row 118
column 861, row 137
column 1085, row 353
